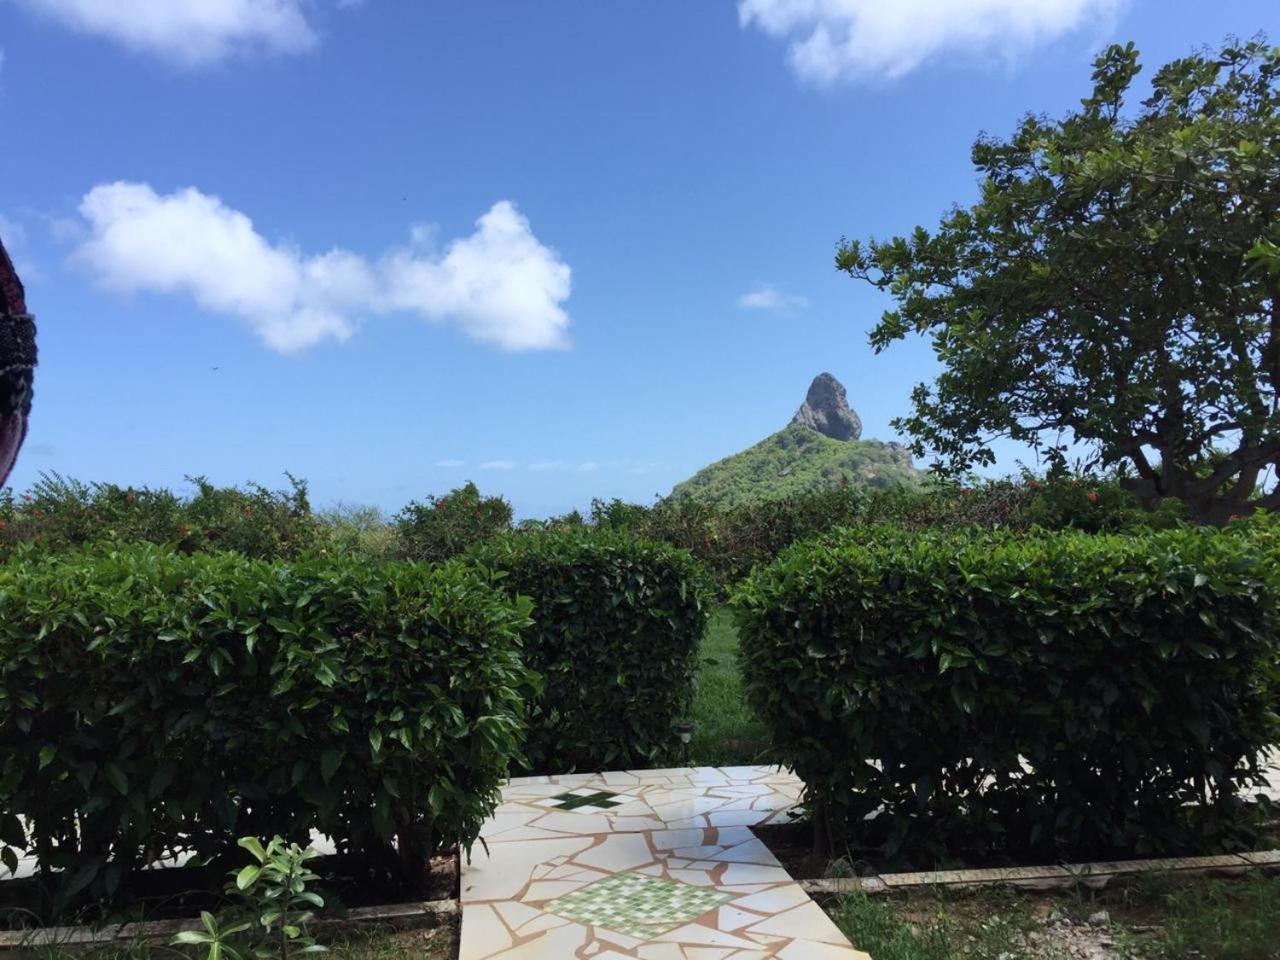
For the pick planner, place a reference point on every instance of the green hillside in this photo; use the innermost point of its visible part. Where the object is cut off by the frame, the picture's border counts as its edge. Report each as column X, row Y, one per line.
column 798, row 460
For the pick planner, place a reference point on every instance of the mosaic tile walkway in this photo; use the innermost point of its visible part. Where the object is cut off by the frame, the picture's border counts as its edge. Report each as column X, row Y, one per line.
column 648, row 864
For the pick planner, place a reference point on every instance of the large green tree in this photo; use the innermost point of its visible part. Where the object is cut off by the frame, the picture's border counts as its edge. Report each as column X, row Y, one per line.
column 1114, row 290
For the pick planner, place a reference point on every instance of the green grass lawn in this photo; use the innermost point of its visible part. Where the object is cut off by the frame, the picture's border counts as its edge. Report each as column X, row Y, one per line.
column 725, row 730
column 1154, row 919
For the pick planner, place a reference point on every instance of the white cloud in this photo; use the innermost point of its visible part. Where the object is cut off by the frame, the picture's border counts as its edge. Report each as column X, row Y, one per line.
column 544, row 465
column 498, row 465
column 498, row 285
column 14, row 235
column 767, row 297
column 834, row 40
column 12, row 232
column 188, row 32
column 449, row 463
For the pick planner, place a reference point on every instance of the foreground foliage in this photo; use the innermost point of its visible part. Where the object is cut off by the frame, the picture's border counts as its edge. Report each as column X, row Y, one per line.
column 271, row 924
column 150, row 700
column 1115, row 287
column 617, row 623
column 1046, row 694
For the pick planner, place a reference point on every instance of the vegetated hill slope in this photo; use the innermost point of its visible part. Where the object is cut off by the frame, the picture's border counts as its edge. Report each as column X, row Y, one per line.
column 795, row 460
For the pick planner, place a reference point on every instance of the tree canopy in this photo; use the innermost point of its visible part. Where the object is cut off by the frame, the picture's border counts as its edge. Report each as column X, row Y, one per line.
column 1114, row 289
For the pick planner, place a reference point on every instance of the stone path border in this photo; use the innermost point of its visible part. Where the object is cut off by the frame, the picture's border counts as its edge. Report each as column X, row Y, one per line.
column 1061, row 877
column 407, row 915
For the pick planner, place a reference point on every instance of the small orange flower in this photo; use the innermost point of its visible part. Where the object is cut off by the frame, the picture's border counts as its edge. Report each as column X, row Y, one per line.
column 1093, row 496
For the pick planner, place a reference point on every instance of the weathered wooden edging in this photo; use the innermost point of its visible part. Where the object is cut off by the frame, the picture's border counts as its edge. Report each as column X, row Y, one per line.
column 1060, row 877
column 405, row 915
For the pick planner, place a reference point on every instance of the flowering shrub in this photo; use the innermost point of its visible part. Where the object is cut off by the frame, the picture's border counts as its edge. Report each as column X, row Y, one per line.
column 444, row 527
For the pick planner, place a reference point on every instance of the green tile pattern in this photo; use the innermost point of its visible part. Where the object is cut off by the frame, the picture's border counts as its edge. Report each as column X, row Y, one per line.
column 637, row 905
column 572, row 801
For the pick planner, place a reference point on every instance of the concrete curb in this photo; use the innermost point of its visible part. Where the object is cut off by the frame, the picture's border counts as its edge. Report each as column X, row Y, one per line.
column 1060, row 877
column 402, row 915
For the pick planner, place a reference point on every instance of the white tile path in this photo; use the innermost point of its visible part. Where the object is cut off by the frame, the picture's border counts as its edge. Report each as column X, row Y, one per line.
column 648, row 864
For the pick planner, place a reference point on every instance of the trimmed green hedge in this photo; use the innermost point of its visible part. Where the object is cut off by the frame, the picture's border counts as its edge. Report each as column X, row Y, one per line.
column 1045, row 693
column 150, row 700
column 617, row 623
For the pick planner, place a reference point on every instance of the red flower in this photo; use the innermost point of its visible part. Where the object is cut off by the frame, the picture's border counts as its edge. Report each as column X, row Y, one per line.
column 211, row 534
column 182, row 530
column 37, row 514
column 26, row 498
column 3, row 524
column 1093, row 496
column 128, row 498
column 248, row 510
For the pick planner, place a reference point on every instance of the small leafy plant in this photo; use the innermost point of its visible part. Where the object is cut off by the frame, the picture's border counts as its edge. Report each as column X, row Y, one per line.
column 277, row 907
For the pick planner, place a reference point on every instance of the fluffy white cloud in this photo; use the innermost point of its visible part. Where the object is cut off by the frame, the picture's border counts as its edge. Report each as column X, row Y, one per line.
column 766, row 297
column 499, row 285
column 498, row 465
column 449, row 463
column 189, row 32
column 832, row 40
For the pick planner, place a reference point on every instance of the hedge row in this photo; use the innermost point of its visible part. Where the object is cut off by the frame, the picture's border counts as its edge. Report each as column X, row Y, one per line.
column 617, row 622
column 59, row 514
column 1044, row 693
column 730, row 541
column 151, row 700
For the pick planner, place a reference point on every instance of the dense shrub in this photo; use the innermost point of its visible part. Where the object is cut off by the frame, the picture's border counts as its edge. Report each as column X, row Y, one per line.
column 730, row 541
column 444, row 527
column 59, row 513
column 150, row 699
column 1053, row 693
column 617, row 622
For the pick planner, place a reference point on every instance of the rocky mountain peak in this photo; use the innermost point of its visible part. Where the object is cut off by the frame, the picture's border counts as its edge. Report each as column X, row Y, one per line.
column 826, row 409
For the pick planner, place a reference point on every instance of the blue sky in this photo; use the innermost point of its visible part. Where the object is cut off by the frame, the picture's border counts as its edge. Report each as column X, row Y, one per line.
column 563, row 249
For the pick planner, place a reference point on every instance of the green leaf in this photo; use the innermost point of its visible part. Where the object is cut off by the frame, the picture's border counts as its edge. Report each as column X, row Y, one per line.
column 254, row 846
column 330, row 760
column 246, row 877
column 191, row 937
column 116, row 776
